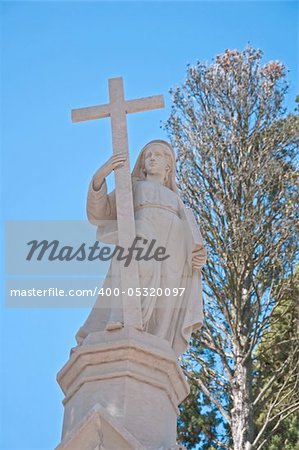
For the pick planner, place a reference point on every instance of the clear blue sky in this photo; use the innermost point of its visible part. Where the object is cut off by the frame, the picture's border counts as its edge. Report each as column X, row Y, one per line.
column 57, row 56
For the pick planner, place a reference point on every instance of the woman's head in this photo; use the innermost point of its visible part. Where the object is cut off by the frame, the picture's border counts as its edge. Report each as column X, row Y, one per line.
column 156, row 158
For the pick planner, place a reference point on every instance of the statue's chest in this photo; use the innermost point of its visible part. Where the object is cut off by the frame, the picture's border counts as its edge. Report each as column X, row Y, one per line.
column 150, row 192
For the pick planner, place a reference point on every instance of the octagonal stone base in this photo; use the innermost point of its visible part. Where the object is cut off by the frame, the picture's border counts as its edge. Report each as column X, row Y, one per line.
column 122, row 390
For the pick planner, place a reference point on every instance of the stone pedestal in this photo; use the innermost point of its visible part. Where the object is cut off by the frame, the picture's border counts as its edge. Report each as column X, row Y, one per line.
column 122, row 390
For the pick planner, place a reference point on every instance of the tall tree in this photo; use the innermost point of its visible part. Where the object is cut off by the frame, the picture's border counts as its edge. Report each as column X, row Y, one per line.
column 236, row 155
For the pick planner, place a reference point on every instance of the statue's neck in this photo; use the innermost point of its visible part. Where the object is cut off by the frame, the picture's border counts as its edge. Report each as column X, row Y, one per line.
column 156, row 178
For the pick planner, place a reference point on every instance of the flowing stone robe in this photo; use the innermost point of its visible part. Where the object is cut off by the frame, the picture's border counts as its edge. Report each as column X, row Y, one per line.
column 159, row 214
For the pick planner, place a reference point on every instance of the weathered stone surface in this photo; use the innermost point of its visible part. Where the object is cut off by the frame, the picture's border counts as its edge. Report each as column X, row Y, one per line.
column 131, row 376
column 99, row 431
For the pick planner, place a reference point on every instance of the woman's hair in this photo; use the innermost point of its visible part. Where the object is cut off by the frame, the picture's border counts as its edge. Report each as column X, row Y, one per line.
column 139, row 173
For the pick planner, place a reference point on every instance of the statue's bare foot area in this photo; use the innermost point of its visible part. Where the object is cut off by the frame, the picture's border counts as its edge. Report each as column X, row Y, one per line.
column 113, row 326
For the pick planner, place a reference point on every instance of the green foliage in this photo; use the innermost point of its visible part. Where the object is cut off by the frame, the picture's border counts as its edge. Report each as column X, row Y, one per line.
column 277, row 344
column 286, row 437
column 197, row 423
column 200, row 422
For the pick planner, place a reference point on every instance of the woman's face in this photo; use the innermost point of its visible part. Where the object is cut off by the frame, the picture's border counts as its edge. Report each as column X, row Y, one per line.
column 155, row 161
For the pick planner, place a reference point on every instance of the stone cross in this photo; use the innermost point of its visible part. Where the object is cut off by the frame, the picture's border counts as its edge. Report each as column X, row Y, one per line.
column 117, row 109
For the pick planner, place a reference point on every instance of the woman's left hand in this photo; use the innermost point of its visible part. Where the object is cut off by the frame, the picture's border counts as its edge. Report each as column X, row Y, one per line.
column 199, row 257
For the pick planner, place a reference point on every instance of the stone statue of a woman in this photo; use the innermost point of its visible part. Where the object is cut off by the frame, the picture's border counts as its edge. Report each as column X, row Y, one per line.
column 161, row 215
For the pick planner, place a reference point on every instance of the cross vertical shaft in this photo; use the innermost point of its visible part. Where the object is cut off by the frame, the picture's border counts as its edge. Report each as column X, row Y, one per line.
column 124, row 203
